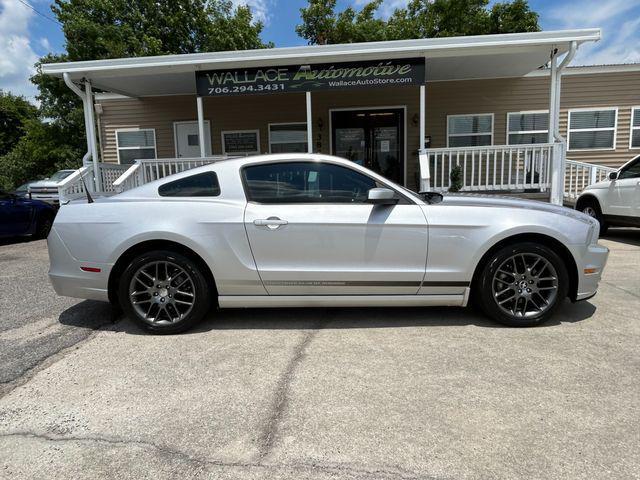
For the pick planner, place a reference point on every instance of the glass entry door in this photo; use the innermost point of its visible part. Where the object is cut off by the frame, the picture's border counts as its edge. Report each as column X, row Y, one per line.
column 371, row 138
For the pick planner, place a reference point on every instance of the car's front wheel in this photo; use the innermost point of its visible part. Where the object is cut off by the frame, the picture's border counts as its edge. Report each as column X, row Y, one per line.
column 164, row 292
column 592, row 208
column 522, row 284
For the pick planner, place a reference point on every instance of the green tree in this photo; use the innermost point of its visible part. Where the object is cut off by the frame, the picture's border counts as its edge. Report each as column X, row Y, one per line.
column 321, row 24
column 15, row 113
column 99, row 29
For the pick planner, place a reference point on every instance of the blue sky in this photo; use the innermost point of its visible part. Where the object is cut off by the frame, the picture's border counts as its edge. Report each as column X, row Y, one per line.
column 26, row 35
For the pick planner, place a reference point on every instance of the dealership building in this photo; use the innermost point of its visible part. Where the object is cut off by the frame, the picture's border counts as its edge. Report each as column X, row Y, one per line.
column 509, row 110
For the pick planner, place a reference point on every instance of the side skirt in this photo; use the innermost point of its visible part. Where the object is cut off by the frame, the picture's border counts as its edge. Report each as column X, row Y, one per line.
column 282, row 301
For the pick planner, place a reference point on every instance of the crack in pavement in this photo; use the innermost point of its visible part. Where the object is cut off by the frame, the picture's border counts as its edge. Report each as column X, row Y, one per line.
column 333, row 468
column 279, row 404
column 620, row 288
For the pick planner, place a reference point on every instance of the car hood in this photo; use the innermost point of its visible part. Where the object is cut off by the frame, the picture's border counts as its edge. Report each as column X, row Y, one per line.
column 496, row 201
column 598, row 185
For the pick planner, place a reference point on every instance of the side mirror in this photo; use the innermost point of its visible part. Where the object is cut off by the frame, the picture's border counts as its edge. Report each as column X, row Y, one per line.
column 432, row 197
column 613, row 175
column 382, row 196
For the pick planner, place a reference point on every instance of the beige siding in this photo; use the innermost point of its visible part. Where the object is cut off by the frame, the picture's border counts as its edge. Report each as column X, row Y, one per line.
column 501, row 96
column 250, row 113
column 497, row 96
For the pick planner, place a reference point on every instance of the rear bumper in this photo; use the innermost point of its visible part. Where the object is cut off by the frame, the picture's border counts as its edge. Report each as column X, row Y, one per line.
column 593, row 257
column 68, row 279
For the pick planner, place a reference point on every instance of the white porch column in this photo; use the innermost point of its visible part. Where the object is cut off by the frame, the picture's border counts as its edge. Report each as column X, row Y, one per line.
column 423, row 157
column 423, row 127
column 552, row 98
column 309, row 124
column 91, row 134
column 201, row 137
column 556, row 162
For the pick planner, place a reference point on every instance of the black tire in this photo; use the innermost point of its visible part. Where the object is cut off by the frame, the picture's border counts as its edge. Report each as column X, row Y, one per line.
column 197, row 286
column 529, row 251
column 43, row 225
column 591, row 207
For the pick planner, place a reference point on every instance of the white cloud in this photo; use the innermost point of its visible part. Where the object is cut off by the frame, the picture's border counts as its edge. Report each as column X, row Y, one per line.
column 17, row 57
column 387, row 7
column 44, row 43
column 620, row 23
column 261, row 9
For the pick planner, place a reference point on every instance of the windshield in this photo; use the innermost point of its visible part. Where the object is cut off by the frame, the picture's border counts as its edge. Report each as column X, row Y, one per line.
column 61, row 175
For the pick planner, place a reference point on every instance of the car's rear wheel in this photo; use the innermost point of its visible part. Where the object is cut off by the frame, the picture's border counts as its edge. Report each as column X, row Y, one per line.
column 592, row 208
column 43, row 226
column 164, row 292
column 522, row 284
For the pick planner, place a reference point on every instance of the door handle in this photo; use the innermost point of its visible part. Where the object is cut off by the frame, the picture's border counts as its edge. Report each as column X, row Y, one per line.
column 271, row 222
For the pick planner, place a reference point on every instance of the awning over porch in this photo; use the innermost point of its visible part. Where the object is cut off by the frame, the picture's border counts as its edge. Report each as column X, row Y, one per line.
column 453, row 58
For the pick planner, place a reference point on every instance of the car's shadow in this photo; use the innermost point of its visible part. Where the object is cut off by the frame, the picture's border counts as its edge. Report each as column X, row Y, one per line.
column 15, row 240
column 630, row 236
column 91, row 314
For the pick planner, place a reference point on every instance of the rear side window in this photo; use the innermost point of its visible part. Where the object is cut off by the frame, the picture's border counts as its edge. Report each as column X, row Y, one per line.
column 306, row 182
column 200, row 185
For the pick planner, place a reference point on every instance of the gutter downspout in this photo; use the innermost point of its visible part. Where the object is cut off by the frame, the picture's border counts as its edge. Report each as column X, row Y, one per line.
column 562, row 160
column 573, row 48
column 85, row 104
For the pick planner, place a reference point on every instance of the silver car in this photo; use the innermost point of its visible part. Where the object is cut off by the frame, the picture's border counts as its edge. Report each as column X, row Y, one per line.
column 296, row 230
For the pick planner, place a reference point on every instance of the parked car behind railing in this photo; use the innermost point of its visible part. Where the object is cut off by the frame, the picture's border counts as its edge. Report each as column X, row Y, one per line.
column 47, row 189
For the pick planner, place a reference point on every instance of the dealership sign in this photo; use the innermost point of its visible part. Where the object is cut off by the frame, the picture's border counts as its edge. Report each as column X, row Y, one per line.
column 303, row 78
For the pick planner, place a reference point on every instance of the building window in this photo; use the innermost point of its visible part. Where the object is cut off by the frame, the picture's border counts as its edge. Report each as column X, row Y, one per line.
column 288, row 138
column 241, row 142
column 592, row 129
column 469, row 130
column 135, row 144
column 527, row 127
column 634, row 141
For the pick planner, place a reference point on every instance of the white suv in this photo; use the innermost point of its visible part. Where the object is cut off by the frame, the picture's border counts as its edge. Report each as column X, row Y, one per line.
column 614, row 202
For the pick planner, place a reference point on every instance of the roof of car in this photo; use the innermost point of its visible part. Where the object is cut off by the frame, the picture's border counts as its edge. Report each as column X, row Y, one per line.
column 150, row 190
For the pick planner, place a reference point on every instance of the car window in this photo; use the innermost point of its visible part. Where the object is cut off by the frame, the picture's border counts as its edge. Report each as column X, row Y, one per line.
column 306, row 182
column 200, row 185
column 60, row 175
column 632, row 170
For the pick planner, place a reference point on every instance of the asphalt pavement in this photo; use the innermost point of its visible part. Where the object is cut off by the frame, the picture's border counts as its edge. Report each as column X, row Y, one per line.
column 319, row 393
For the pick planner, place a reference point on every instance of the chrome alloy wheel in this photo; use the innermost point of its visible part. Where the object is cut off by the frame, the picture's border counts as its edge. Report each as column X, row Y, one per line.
column 525, row 285
column 161, row 292
column 589, row 210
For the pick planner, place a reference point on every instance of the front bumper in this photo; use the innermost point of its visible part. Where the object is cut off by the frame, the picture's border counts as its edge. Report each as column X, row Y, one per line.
column 593, row 258
column 68, row 279
column 51, row 198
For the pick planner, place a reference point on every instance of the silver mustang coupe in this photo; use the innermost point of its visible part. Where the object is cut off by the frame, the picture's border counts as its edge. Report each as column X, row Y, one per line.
column 296, row 230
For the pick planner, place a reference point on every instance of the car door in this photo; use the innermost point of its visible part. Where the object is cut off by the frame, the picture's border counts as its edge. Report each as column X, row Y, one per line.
column 623, row 196
column 15, row 216
column 312, row 232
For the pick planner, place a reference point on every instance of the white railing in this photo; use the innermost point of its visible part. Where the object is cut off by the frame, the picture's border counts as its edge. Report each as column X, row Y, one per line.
column 579, row 175
column 148, row 170
column 492, row 168
column 109, row 173
column 72, row 187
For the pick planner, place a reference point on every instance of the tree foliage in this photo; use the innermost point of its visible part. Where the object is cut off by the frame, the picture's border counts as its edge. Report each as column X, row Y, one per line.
column 321, row 24
column 99, row 29
column 15, row 114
